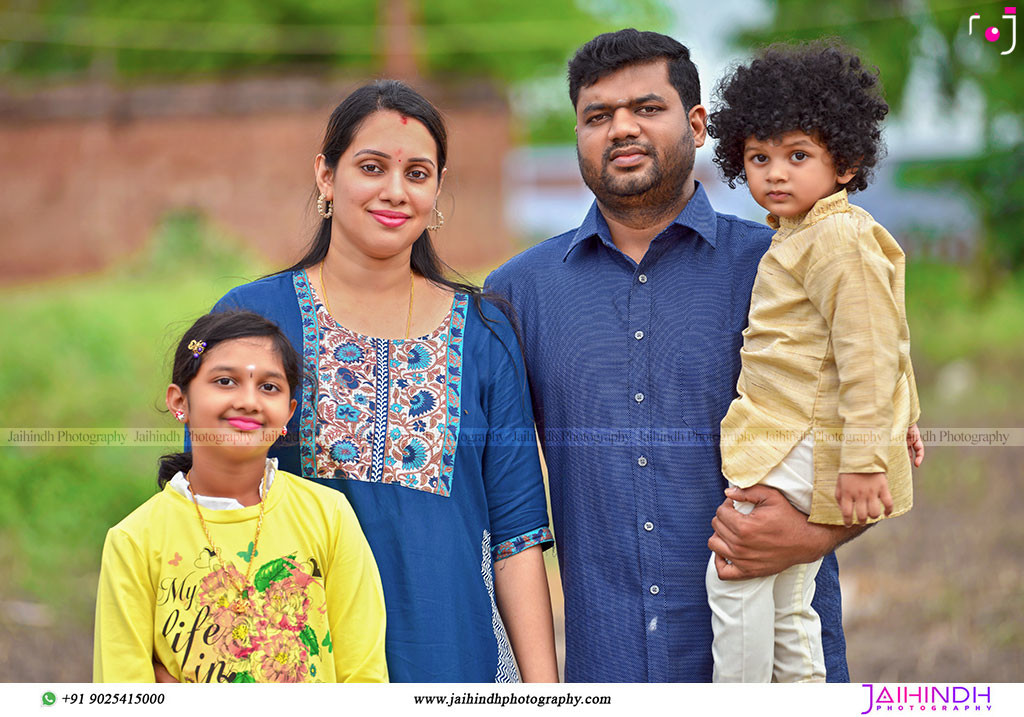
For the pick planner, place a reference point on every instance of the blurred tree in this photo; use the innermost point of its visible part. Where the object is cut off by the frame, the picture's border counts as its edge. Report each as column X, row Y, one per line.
column 897, row 35
column 507, row 40
column 513, row 42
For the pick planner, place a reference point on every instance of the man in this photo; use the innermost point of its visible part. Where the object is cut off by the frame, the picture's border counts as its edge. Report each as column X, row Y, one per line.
column 631, row 327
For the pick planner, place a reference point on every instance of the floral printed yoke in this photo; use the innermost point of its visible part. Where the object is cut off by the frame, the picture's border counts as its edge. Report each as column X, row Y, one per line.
column 389, row 410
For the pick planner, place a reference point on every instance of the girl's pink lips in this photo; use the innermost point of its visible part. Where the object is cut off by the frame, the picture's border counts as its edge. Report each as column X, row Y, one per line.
column 778, row 196
column 245, row 424
column 390, row 219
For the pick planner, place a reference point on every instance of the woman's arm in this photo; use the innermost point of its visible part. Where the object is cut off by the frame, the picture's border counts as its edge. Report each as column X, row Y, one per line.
column 521, row 592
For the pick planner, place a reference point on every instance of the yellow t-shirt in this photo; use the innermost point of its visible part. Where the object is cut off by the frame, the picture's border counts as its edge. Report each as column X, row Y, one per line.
column 314, row 611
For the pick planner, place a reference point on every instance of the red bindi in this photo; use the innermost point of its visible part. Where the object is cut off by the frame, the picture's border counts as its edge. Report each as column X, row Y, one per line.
column 405, row 120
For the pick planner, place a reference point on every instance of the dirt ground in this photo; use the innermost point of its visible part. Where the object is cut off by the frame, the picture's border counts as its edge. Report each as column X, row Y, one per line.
column 937, row 594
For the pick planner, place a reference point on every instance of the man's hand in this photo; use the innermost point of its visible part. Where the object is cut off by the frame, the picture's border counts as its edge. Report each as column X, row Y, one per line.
column 915, row 446
column 773, row 537
column 862, row 496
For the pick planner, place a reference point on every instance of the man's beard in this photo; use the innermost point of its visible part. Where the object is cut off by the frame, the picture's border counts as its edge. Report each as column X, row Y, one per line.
column 642, row 194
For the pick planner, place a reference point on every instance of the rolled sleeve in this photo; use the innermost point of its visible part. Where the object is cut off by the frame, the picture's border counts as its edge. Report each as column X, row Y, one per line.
column 540, row 536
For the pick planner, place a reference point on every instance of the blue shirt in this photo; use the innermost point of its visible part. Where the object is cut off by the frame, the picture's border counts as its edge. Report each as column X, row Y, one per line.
column 435, row 545
column 632, row 368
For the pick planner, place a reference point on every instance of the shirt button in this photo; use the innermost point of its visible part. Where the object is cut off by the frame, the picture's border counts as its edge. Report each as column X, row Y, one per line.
column 641, row 461
column 638, row 335
column 642, row 278
column 655, row 590
column 639, row 397
column 648, row 526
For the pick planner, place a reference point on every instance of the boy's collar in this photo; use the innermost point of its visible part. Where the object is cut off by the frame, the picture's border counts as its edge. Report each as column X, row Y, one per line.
column 832, row 204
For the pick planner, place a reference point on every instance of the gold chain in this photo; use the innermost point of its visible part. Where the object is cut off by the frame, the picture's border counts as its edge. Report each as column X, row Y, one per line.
column 259, row 523
column 412, row 293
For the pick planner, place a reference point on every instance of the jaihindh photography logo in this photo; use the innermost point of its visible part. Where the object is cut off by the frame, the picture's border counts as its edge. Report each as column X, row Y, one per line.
column 993, row 33
column 927, row 698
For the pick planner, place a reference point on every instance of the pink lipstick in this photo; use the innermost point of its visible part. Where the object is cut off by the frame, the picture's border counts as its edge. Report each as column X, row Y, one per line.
column 390, row 219
column 245, row 424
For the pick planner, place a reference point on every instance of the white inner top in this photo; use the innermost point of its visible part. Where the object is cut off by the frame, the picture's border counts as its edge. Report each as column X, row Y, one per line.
column 213, row 502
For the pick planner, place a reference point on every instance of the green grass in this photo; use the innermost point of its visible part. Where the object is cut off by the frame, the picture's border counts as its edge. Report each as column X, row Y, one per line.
column 94, row 352
column 947, row 324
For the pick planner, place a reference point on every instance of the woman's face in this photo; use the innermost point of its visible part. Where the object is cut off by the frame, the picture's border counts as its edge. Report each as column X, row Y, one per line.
column 384, row 186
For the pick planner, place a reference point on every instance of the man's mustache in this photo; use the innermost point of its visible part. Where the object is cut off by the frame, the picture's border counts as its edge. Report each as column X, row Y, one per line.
column 619, row 146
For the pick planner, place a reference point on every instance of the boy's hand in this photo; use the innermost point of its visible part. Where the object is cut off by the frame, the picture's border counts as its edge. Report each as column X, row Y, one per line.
column 862, row 496
column 915, row 446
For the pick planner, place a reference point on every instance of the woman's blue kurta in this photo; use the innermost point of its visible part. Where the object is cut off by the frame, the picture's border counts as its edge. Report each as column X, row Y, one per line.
column 434, row 551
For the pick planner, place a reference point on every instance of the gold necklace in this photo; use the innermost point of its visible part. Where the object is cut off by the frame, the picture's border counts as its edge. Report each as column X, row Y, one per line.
column 206, row 530
column 412, row 294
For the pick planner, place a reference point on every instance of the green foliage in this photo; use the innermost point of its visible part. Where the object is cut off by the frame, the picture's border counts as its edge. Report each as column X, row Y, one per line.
column 993, row 180
column 93, row 353
column 949, row 323
column 507, row 41
column 896, row 34
column 502, row 39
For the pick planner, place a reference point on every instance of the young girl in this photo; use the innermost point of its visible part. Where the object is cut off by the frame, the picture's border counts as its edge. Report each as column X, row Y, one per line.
column 826, row 379
column 235, row 571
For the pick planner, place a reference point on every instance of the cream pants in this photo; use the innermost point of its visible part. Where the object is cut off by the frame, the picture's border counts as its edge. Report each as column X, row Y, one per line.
column 765, row 628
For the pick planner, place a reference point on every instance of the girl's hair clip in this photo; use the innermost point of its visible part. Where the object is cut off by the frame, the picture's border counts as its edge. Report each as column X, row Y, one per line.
column 196, row 347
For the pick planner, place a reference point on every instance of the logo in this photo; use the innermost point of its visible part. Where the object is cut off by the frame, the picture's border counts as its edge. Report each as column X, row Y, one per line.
column 993, row 34
column 928, row 698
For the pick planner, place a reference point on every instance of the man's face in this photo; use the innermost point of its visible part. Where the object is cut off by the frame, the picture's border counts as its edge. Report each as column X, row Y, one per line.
column 634, row 141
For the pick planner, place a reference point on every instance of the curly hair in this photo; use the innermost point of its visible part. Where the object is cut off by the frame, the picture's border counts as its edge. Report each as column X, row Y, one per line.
column 820, row 88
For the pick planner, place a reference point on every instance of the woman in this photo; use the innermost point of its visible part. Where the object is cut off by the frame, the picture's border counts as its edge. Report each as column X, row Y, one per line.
column 415, row 404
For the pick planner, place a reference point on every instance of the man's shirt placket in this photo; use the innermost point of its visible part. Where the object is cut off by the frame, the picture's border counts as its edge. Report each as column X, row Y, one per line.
column 645, row 468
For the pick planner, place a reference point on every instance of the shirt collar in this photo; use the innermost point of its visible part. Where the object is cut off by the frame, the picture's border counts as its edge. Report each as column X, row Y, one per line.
column 698, row 216
column 832, row 204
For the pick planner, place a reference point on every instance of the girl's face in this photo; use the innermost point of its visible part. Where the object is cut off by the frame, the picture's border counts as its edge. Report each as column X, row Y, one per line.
column 384, row 186
column 239, row 399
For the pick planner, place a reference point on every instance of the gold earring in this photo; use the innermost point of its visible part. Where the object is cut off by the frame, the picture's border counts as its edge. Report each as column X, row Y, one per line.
column 320, row 206
column 440, row 220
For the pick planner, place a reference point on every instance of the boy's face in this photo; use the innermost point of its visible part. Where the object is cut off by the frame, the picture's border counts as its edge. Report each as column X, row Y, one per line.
column 788, row 174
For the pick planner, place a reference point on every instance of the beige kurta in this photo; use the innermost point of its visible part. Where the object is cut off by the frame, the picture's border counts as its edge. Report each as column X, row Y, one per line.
column 827, row 348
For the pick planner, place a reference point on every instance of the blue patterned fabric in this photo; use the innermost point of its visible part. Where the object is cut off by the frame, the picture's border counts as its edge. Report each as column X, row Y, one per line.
column 632, row 368
column 441, row 622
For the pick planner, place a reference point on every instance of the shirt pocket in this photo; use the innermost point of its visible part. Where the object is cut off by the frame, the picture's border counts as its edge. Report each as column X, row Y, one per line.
column 706, row 367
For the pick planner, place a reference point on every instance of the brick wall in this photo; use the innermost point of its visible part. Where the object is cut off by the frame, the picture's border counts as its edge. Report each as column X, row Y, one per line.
column 87, row 172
